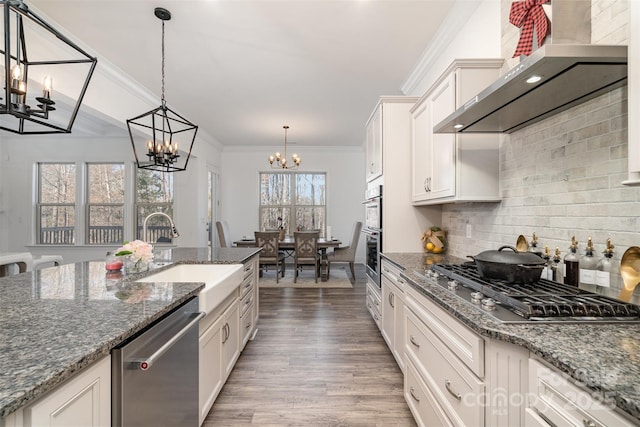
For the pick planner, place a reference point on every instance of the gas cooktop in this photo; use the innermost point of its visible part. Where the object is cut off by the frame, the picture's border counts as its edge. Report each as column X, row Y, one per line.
column 543, row 301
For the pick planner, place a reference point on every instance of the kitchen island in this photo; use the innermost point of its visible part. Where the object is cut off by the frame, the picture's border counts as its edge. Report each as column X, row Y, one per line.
column 602, row 359
column 56, row 321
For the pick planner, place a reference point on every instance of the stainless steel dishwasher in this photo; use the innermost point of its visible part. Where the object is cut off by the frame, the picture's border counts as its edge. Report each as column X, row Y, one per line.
column 154, row 375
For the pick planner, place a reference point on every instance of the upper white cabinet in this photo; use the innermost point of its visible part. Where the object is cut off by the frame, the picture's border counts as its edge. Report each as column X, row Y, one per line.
column 449, row 167
column 374, row 144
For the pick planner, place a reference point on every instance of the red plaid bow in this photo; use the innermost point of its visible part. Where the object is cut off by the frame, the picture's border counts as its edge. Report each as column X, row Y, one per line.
column 524, row 14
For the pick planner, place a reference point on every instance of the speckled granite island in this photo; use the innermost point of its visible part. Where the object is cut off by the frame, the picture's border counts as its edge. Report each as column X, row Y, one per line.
column 603, row 358
column 56, row 321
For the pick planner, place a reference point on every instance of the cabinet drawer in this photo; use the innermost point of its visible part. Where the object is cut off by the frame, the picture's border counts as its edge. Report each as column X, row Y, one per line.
column 424, row 406
column 555, row 398
column 373, row 304
column 452, row 383
column 464, row 343
column 247, row 322
column 247, row 301
column 392, row 272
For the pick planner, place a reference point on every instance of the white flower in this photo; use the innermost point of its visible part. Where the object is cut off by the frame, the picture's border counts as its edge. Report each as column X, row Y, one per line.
column 138, row 250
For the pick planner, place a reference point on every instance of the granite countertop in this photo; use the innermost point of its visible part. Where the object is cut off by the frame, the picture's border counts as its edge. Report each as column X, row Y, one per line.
column 604, row 358
column 55, row 321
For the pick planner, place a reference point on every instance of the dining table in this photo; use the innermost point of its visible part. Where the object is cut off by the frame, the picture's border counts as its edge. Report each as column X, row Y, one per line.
column 287, row 245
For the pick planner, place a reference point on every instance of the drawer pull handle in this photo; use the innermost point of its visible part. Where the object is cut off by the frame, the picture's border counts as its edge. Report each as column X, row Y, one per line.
column 412, row 391
column 588, row 423
column 413, row 341
column 447, row 384
column 391, row 300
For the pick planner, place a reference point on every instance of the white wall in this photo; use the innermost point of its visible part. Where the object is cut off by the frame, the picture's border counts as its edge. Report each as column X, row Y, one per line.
column 240, row 191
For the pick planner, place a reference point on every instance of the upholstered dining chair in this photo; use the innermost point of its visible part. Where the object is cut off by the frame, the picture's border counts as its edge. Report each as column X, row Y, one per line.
column 306, row 252
column 223, row 234
column 346, row 253
column 270, row 254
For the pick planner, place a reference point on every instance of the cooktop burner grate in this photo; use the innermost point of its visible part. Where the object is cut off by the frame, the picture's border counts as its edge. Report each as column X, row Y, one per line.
column 542, row 300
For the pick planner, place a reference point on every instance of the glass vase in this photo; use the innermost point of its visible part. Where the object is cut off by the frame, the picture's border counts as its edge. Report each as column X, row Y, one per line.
column 132, row 266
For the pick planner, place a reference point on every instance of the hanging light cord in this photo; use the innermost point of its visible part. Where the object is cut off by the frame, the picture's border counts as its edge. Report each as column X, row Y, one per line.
column 164, row 102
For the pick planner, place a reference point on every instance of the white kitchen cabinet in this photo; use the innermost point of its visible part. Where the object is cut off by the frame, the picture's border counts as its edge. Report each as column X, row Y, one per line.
column 556, row 401
column 393, row 317
column 84, row 400
column 219, row 349
column 223, row 334
column 249, row 301
column 374, row 144
column 373, row 302
column 453, row 376
column 449, row 167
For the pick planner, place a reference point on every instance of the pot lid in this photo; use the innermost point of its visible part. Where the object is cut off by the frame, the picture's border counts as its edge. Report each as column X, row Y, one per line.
column 509, row 255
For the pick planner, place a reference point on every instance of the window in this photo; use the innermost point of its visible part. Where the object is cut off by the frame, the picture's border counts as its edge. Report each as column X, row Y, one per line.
column 105, row 196
column 56, row 214
column 154, row 193
column 298, row 198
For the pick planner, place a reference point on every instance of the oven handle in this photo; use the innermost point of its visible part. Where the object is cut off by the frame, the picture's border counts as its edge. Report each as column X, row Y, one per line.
column 146, row 362
column 371, row 232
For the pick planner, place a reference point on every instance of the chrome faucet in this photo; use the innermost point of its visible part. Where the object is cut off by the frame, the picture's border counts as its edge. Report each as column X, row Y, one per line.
column 174, row 230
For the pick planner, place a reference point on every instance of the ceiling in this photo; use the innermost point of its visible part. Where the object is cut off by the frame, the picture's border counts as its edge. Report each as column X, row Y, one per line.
column 243, row 69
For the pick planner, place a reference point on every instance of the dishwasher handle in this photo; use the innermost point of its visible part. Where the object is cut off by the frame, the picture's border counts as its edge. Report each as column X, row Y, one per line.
column 145, row 363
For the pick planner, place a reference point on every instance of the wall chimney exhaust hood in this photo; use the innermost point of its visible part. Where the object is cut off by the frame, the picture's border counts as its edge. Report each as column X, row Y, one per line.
column 552, row 79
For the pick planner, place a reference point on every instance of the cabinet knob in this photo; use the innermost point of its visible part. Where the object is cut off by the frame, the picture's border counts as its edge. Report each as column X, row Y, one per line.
column 588, row 423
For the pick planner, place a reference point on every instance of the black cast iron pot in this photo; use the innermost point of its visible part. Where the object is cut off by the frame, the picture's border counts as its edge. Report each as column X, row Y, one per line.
column 510, row 266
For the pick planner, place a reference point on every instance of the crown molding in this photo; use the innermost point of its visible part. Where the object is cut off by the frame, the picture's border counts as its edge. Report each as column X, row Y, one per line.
column 460, row 13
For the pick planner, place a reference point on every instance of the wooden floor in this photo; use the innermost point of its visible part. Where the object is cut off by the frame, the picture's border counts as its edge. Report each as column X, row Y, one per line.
column 317, row 360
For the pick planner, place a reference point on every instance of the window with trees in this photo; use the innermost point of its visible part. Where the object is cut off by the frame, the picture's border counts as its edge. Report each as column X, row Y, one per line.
column 105, row 203
column 86, row 204
column 56, row 206
column 154, row 193
column 293, row 200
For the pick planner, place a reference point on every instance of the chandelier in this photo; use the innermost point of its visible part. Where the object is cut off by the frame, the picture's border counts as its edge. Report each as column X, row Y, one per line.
column 33, row 54
column 280, row 162
column 156, row 132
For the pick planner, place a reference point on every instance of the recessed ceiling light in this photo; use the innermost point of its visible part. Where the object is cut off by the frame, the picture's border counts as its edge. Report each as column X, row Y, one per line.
column 533, row 79
column 458, row 126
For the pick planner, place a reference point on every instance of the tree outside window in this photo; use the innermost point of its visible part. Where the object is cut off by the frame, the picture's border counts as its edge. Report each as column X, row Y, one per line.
column 297, row 198
column 56, row 211
column 154, row 193
column 105, row 196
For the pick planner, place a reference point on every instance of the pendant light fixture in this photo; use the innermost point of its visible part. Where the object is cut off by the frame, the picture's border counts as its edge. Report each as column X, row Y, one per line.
column 33, row 55
column 157, row 132
column 278, row 161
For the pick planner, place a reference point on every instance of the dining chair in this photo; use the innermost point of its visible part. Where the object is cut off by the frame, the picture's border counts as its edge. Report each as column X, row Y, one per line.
column 346, row 253
column 223, row 234
column 270, row 253
column 306, row 252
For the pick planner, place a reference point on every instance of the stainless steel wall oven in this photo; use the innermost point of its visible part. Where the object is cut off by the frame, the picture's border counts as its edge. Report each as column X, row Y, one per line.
column 373, row 231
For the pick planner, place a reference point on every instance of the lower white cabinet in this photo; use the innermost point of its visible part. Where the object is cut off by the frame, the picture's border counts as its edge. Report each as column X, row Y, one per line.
column 555, row 401
column 453, row 376
column 373, row 302
column 84, row 400
column 393, row 317
column 219, row 350
column 224, row 332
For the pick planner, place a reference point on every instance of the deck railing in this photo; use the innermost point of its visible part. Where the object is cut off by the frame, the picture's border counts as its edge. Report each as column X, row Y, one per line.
column 101, row 235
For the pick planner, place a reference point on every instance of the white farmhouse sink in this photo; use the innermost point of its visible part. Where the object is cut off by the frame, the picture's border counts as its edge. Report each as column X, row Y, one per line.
column 220, row 280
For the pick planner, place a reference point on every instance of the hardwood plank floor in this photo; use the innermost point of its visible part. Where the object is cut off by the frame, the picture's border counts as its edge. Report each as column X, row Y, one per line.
column 317, row 360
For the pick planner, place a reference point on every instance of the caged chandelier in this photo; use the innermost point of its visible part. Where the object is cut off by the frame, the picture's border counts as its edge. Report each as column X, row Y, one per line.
column 278, row 161
column 156, row 132
column 33, row 53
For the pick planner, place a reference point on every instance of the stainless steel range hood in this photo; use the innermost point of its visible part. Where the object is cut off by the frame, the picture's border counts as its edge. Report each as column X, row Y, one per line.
column 570, row 75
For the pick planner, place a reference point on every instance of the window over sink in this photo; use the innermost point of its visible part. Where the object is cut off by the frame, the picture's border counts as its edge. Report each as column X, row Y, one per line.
column 86, row 203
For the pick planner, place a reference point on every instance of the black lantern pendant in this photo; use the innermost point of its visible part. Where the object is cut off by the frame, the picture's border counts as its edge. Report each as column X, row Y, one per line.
column 157, row 132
